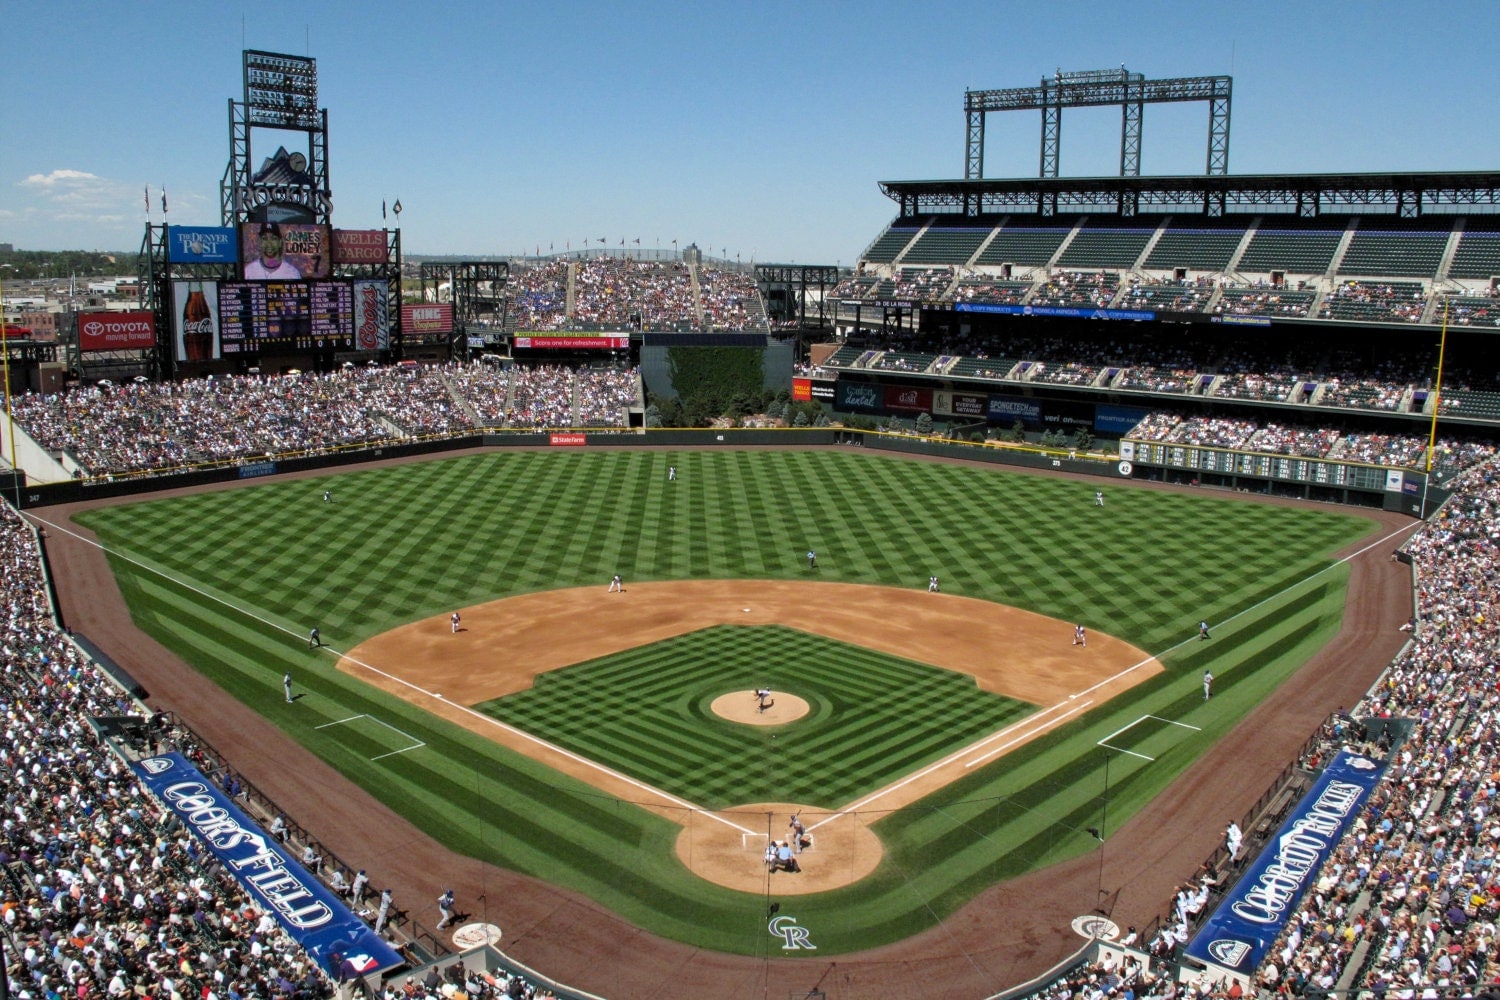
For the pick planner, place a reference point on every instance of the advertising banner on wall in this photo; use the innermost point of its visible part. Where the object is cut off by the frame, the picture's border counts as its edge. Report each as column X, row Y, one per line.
column 308, row 910
column 116, row 331
column 426, row 319
column 195, row 318
column 202, row 245
column 905, row 399
column 1117, row 420
column 359, row 246
column 372, row 316
column 857, row 397
column 1008, row 409
column 802, row 390
column 554, row 343
column 960, row 404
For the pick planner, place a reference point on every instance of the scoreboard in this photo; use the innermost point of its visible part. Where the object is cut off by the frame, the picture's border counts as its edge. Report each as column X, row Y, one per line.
column 259, row 316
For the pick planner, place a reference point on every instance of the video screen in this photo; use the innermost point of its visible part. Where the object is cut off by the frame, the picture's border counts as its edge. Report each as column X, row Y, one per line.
column 285, row 251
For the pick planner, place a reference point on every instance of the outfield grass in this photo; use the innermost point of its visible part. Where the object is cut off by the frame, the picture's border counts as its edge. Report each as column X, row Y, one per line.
column 232, row 580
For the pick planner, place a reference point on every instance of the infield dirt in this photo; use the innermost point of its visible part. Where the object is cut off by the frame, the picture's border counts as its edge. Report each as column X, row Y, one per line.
column 504, row 644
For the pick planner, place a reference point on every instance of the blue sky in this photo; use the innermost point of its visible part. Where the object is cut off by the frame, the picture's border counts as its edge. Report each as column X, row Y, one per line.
column 760, row 129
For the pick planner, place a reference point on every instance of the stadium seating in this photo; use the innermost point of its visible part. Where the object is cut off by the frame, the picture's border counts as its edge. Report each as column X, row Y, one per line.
column 1266, row 300
column 1371, row 302
column 889, row 244
column 1477, row 255
column 945, row 246
column 1105, row 247
column 1281, row 246
column 1194, row 249
column 1024, row 246
column 1408, row 253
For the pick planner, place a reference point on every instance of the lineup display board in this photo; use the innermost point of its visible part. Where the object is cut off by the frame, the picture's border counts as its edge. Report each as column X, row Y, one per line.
column 260, row 316
column 1260, row 465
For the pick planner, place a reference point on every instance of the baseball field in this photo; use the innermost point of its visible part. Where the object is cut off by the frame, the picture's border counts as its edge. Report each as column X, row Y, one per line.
column 610, row 743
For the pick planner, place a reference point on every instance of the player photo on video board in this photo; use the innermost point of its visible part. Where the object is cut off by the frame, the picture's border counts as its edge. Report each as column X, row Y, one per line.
column 284, row 251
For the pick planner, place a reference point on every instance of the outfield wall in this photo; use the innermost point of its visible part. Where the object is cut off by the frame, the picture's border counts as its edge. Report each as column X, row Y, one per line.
column 1104, row 467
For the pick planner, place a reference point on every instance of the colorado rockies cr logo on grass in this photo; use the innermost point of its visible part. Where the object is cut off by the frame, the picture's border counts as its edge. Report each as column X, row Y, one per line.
column 793, row 937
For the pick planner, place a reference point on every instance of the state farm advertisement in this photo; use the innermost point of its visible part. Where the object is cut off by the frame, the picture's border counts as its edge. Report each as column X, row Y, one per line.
column 116, row 331
column 428, row 318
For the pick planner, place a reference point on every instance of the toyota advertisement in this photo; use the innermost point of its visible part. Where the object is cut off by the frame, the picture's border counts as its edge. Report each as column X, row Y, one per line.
column 116, row 331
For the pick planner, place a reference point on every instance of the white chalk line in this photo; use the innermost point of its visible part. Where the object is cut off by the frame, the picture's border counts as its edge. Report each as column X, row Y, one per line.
column 684, row 804
column 403, row 682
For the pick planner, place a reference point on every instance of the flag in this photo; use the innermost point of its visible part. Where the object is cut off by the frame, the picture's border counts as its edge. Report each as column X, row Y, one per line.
column 397, row 208
column 622, row 241
column 601, row 241
column 148, row 199
column 382, row 208
column 163, row 199
column 637, row 241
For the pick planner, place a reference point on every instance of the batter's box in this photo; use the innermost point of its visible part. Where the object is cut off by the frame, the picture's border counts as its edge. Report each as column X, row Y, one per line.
column 1148, row 733
column 368, row 729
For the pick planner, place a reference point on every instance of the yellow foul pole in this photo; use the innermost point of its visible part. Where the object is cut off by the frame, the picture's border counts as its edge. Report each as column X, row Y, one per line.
column 1437, row 389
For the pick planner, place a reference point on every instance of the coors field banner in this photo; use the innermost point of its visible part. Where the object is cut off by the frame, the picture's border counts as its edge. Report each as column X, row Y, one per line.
column 116, row 331
column 1253, row 913
column 309, row 911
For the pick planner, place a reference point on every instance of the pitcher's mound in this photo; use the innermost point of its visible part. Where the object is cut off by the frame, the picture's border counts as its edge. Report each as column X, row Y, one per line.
column 744, row 706
column 728, row 848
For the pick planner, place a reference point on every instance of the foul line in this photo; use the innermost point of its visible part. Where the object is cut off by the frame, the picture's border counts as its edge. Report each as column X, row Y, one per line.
column 403, row 682
column 684, row 804
column 416, row 743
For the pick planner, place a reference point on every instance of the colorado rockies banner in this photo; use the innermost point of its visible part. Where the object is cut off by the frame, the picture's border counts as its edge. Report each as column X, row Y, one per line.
column 325, row 928
column 1247, row 922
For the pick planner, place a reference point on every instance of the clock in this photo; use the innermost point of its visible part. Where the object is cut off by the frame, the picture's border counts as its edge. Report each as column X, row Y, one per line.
column 297, row 162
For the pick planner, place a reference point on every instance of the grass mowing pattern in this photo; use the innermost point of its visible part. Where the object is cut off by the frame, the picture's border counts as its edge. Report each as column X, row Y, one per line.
column 416, row 540
column 645, row 712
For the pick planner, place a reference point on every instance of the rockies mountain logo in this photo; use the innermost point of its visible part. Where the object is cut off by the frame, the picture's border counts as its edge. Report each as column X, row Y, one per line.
column 1228, row 951
column 156, row 765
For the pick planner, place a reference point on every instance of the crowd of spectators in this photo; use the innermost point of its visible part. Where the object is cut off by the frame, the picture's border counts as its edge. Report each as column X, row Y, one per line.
column 171, row 426
column 611, row 292
column 1092, row 289
column 1399, row 302
column 1408, row 902
column 1169, row 294
column 1262, row 298
column 105, row 895
column 922, row 284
